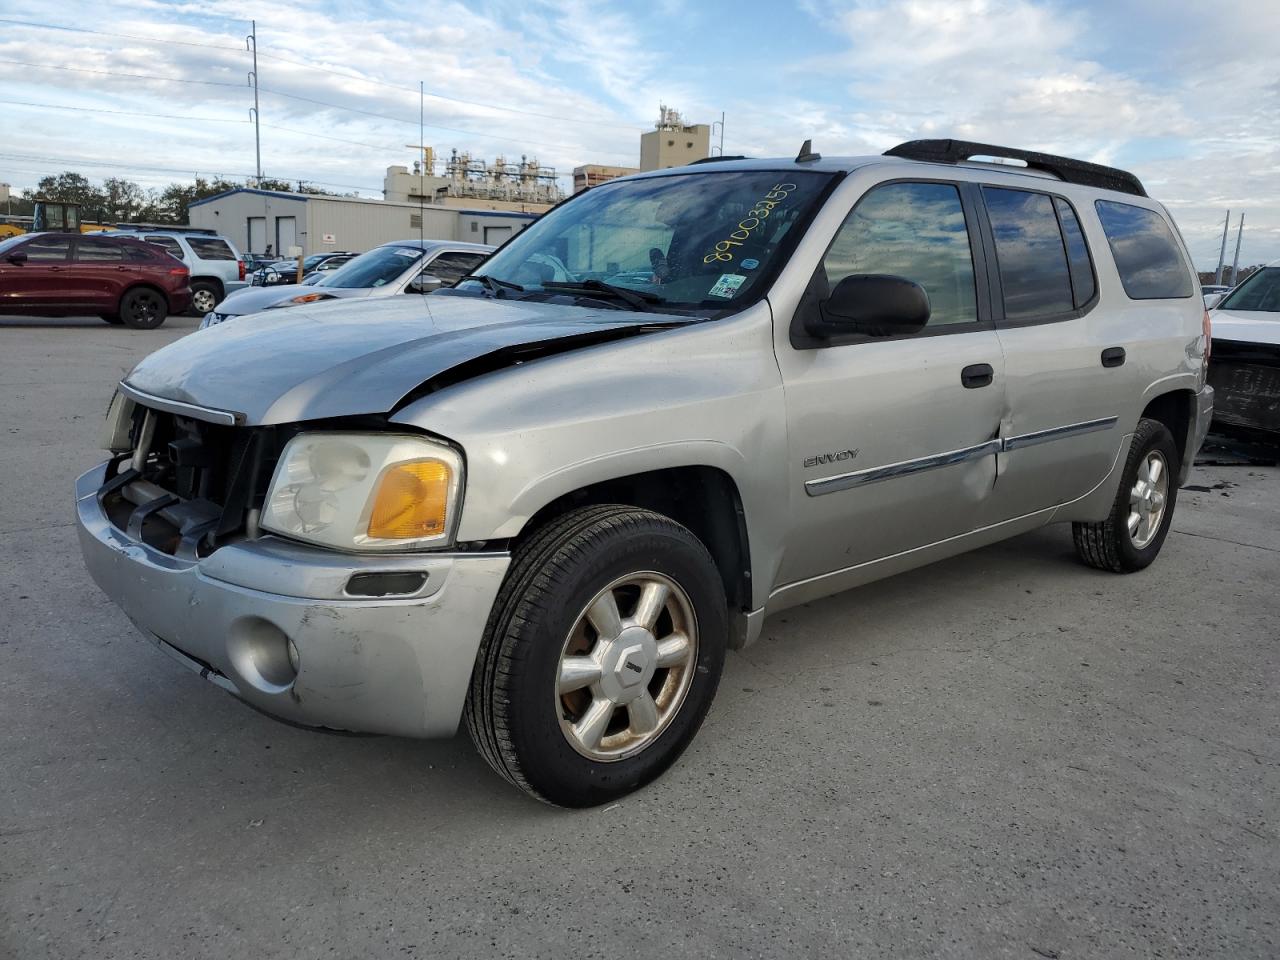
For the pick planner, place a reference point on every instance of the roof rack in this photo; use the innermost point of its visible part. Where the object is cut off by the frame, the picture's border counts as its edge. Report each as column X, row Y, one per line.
column 1064, row 168
column 716, row 159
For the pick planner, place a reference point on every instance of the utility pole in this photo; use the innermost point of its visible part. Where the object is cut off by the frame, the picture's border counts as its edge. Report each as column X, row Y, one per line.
column 251, row 44
column 1222, row 253
column 1235, row 264
column 720, row 124
column 421, row 166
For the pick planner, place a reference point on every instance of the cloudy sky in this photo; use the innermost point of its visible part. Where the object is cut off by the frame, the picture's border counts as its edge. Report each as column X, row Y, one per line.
column 1185, row 94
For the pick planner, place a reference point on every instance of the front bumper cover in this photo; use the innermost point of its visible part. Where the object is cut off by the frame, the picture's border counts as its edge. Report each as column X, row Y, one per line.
column 390, row 665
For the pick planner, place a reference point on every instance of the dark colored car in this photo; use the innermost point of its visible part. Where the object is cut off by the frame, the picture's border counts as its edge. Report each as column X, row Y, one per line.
column 70, row 274
column 285, row 271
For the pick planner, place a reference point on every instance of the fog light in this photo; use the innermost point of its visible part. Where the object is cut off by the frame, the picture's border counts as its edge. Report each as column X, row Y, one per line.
column 262, row 654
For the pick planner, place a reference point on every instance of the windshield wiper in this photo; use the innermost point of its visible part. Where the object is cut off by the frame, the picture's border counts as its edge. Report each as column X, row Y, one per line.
column 492, row 284
column 635, row 298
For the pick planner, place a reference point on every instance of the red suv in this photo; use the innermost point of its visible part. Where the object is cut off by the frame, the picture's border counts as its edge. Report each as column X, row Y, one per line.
column 71, row 274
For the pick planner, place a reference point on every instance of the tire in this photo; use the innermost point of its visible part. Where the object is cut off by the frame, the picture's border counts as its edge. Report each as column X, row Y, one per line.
column 205, row 295
column 143, row 308
column 1112, row 544
column 520, row 717
column 112, row 318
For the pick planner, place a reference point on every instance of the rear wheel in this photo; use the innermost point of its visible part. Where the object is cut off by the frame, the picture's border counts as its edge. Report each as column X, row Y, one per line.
column 601, row 656
column 205, row 295
column 1131, row 537
column 143, row 308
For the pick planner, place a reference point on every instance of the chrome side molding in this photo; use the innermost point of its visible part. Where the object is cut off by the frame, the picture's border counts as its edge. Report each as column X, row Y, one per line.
column 820, row 486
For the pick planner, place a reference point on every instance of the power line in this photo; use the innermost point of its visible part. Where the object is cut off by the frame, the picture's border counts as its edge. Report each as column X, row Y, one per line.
column 222, row 174
column 322, row 69
column 119, row 36
column 121, row 113
column 131, row 76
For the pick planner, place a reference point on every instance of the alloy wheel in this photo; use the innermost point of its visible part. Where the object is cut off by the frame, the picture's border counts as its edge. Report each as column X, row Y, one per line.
column 626, row 666
column 1147, row 499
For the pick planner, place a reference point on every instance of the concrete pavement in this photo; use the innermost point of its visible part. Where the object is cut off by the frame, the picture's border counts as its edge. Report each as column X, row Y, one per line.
column 1002, row 755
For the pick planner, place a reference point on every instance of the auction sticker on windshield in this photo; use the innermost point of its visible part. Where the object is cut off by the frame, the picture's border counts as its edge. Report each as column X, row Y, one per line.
column 727, row 285
column 753, row 221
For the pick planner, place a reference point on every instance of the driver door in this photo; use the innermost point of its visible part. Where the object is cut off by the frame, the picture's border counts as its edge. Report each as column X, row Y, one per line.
column 893, row 439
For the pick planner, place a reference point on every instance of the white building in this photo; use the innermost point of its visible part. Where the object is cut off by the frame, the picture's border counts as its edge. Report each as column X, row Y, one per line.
column 255, row 219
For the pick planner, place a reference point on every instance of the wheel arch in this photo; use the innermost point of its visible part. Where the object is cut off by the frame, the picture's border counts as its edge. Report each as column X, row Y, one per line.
column 215, row 280
column 1176, row 409
column 704, row 498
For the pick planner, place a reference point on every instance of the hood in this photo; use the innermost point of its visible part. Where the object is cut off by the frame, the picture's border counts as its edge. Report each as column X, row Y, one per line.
column 252, row 299
column 344, row 359
column 1246, row 326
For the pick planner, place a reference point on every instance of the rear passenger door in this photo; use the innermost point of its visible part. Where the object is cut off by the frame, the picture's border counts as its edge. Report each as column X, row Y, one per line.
column 892, row 439
column 1064, row 392
column 99, row 273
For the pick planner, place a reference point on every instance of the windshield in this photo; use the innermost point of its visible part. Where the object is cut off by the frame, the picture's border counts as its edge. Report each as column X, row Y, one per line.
column 688, row 240
column 377, row 268
column 1260, row 292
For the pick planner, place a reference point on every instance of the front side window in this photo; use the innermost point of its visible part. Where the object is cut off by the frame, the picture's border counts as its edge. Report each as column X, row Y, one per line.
column 211, row 248
column 1029, row 250
column 376, row 268
column 1150, row 264
column 692, row 240
column 48, row 249
column 90, row 250
column 1261, row 292
column 916, row 231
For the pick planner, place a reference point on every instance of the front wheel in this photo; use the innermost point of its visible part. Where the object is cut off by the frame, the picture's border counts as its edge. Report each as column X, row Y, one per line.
column 1131, row 537
column 601, row 656
column 143, row 308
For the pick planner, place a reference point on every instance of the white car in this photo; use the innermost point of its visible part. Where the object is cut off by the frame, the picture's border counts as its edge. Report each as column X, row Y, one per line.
column 1245, row 364
column 403, row 266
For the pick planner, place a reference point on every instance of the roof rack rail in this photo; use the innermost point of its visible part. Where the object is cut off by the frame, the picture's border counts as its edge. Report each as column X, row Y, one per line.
column 716, row 159
column 1064, row 168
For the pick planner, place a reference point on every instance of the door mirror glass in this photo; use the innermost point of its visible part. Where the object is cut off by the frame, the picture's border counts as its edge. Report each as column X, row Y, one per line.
column 424, row 283
column 875, row 305
column 17, row 258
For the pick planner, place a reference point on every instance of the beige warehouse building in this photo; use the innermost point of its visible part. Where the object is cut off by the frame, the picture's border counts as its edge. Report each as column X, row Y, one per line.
column 255, row 219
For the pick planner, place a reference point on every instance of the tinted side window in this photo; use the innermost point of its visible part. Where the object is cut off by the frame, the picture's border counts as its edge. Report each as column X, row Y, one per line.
column 916, row 231
column 168, row 244
column 211, row 248
column 1082, row 280
column 452, row 267
column 1029, row 250
column 47, row 249
column 1150, row 264
column 91, row 250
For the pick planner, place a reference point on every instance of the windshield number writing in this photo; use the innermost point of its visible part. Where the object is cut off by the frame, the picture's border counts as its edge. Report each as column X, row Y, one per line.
column 756, row 216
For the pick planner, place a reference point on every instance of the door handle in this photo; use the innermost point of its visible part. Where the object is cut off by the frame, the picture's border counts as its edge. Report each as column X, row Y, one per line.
column 1113, row 357
column 976, row 375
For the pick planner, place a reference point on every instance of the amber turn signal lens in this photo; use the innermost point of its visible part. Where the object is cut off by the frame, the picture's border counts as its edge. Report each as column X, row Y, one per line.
column 411, row 501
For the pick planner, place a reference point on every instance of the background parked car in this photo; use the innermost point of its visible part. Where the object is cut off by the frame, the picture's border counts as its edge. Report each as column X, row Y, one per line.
column 403, row 266
column 1244, row 367
column 1213, row 292
column 217, row 269
column 71, row 274
column 279, row 272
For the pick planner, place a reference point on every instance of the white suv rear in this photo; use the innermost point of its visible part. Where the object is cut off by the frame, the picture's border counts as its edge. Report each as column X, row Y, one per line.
column 216, row 266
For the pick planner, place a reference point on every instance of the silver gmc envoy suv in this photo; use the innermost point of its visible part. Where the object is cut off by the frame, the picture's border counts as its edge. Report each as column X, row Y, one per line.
column 549, row 499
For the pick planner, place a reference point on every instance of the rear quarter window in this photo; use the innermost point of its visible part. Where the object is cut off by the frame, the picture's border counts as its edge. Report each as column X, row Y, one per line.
column 1147, row 257
column 211, row 248
column 167, row 244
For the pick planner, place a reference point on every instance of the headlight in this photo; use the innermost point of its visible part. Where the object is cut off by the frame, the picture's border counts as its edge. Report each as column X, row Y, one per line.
column 365, row 491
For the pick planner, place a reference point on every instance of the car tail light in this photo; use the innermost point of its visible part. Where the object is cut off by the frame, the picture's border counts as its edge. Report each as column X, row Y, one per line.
column 241, row 269
column 1208, row 336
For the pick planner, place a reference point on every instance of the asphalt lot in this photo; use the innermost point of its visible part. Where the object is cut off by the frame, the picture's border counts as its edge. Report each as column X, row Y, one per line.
column 1004, row 755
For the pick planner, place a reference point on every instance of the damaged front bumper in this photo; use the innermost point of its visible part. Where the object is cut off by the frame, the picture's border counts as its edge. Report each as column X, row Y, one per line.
column 274, row 623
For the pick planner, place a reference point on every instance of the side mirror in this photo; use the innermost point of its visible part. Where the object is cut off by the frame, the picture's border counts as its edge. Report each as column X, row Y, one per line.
column 874, row 305
column 17, row 258
column 424, row 283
